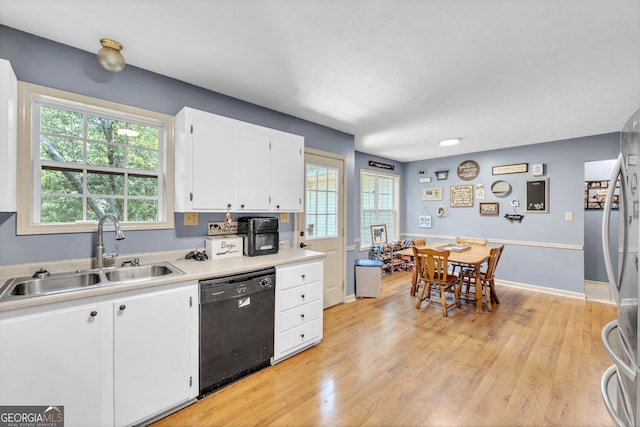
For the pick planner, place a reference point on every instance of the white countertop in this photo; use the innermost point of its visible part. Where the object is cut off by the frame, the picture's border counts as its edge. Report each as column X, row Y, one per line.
column 194, row 270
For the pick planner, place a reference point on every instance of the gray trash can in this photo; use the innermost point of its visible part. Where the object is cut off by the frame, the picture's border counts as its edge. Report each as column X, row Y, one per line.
column 368, row 278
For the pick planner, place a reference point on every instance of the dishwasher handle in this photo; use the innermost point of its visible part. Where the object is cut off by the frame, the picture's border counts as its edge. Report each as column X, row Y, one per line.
column 236, row 278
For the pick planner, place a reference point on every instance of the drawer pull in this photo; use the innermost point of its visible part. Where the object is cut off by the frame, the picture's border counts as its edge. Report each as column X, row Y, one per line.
column 303, row 276
column 122, row 307
column 302, row 316
column 302, row 296
column 302, row 335
column 93, row 313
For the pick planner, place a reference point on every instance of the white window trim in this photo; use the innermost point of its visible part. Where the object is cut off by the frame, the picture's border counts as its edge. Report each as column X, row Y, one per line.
column 25, row 224
column 396, row 202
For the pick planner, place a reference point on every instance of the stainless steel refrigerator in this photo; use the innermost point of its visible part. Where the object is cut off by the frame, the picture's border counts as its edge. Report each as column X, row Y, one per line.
column 620, row 337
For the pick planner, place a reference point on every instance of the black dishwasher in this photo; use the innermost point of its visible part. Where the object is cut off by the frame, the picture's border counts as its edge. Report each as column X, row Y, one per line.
column 236, row 326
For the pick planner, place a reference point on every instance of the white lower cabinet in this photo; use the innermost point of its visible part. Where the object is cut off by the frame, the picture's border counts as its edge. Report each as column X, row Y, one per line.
column 155, row 358
column 59, row 357
column 111, row 360
column 298, row 309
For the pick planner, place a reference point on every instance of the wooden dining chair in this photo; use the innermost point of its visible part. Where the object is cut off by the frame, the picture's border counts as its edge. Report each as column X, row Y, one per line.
column 432, row 269
column 467, row 282
column 414, row 276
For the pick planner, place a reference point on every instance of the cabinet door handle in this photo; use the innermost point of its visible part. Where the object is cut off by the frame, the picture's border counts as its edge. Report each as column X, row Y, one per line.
column 122, row 307
column 93, row 313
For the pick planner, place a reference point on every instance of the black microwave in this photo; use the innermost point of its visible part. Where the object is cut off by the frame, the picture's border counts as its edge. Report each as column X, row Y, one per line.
column 260, row 235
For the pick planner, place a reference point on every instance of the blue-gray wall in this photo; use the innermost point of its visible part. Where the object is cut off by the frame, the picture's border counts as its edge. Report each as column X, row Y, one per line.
column 40, row 61
column 541, row 250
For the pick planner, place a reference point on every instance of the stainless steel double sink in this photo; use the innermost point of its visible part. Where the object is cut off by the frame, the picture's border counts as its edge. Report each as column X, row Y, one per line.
column 26, row 287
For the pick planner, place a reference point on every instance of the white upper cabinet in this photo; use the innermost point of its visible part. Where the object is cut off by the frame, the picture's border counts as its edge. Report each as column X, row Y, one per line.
column 251, row 146
column 224, row 164
column 287, row 171
column 8, row 136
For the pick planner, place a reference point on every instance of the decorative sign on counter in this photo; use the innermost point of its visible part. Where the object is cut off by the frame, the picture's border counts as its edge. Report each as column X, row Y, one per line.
column 461, row 196
column 468, row 170
column 217, row 228
column 519, row 168
column 381, row 165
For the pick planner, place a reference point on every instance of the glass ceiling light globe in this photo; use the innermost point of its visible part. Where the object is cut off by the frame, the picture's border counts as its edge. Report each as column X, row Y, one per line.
column 109, row 55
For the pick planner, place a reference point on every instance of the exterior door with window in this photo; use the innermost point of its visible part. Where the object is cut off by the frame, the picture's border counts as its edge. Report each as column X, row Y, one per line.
column 320, row 227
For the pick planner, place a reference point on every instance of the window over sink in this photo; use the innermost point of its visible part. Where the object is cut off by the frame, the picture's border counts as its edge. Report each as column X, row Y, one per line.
column 87, row 157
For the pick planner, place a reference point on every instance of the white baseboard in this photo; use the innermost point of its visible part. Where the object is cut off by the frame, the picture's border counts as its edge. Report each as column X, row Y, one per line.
column 594, row 291
column 598, row 291
column 535, row 288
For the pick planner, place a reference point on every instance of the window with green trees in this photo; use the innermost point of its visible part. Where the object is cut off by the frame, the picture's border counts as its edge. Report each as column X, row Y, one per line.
column 89, row 160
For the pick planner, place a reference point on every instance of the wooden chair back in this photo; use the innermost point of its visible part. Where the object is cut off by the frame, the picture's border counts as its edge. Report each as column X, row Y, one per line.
column 472, row 241
column 432, row 265
column 494, row 257
column 432, row 268
column 419, row 242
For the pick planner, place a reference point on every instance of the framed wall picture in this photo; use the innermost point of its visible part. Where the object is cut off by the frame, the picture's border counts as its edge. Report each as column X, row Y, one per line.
column 461, row 196
column 489, row 208
column 442, row 175
column 537, row 196
column 595, row 193
column 433, row 193
column 378, row 234
column 518, row 168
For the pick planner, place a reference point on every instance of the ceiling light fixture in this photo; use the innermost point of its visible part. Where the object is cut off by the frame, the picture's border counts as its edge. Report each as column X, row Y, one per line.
column 450, row 141
column 109, row 55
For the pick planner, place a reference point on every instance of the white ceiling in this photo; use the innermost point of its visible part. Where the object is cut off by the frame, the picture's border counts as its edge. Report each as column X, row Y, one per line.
column 400, row 75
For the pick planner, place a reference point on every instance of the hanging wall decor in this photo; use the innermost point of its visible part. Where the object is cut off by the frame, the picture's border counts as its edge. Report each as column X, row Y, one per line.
column 468, row 170
column 461, row 196
column 432, row 193
column 537, row 196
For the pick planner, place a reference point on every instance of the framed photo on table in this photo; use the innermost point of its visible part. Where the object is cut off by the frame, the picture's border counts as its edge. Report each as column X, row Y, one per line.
column 378, row 234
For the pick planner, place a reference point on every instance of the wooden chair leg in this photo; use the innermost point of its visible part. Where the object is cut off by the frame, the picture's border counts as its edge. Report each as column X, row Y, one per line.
column 487, row 291
column 494, row 296
column 414, row 282
column 456, row 295
column 443, row 300
column 421, row 296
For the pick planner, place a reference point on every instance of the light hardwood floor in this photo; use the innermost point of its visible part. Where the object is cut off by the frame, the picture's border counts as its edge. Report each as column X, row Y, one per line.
column 536, row 360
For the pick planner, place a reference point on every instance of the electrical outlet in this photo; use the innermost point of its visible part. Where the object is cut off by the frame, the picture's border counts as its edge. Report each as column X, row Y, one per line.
column 284, row 217
column 568, row 216
column 191, row 218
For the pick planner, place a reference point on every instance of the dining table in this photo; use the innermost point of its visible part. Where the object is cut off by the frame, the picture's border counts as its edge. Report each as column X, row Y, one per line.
column 462, row 254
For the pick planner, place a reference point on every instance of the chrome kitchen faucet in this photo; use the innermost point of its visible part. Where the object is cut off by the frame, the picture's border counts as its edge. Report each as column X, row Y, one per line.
column 100, row 247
